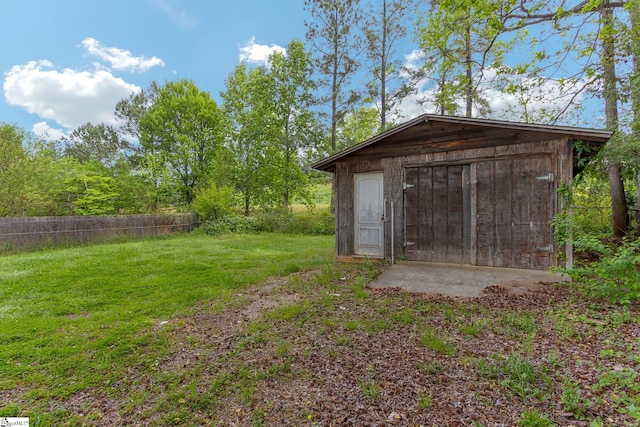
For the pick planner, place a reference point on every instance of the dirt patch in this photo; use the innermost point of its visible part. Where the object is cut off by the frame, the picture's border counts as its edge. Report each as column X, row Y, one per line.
column 349, row 355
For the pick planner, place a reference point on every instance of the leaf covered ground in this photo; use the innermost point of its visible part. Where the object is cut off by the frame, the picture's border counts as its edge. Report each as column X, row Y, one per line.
column 320, row 348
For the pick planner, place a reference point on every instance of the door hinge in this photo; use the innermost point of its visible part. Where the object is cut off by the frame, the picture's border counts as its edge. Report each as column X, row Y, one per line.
column 548, row 177
column 549, row 248
column 405, row 185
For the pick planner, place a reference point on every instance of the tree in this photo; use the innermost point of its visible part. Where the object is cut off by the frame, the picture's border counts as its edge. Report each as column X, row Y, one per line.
column 32, row 174
column 292, row 127
column 460, row 40
column 334, row 47
column 47, row 171
column 91, row 142
column 610, row 95
column 13, row 170
column 91, row 191
column 385, row 27
column 130, row 110
column 246, row 107
column 601, row 62
column 183, row 130
column 358, row 126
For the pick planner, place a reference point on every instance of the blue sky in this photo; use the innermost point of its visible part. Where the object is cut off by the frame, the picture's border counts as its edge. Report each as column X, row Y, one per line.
column 66, row 62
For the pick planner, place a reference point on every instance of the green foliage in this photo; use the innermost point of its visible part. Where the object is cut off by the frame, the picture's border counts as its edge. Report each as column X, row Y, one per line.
column 284, row 221
column 315, row 223
column 522, row 321
column 534, row 418
column 458, row 42
column 181, row 132
column 517, row 375
column 213, row 203
column 91, row 193
column 288, row 312
column 246, row 110
column 275, row 220
column 13, row 161
column 334, row 38
column 473, row 329
column 94, row 143
column 385, row 27
column 608, row 268
column 371, row 389
column 231, row 225
column 434, row 343
column 357, row 126
column 134, row 196
column 614, row 274
column 271, row 130
column 405, row 316
column 293, row 131
column 571, row 398
column 424, row 401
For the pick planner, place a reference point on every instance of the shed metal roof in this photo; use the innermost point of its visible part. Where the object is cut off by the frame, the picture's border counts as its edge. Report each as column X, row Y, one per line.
column 600, row 136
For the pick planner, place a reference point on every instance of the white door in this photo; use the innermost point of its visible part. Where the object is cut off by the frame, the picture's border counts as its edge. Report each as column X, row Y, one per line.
column 369, row 212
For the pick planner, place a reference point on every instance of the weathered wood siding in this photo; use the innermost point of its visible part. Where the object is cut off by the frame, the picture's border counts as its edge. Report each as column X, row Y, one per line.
column 483, row 205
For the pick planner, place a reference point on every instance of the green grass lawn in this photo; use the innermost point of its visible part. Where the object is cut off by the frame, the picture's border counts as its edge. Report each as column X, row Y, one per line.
column 321, row 196
column 73, row 319
column 195, row 330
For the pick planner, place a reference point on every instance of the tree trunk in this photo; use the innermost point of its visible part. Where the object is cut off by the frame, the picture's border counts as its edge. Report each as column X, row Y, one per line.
column 468, row 67
column 634, row 18
column 620, row 217
column 383, row 70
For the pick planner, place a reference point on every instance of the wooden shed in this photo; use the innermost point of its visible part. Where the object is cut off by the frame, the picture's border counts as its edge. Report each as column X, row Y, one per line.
column 456, row 190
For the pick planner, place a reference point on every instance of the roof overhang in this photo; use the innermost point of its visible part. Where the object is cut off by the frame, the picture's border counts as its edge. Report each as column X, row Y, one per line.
column 413, row 130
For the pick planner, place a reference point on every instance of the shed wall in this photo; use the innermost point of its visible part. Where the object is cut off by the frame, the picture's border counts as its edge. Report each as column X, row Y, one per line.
column 557, row 151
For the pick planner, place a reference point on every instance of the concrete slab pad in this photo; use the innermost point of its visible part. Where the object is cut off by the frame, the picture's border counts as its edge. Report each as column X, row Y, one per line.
column 461, row 280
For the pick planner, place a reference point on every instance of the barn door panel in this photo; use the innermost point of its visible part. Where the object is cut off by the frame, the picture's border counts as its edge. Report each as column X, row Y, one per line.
column 438, row 214
column 542, row 211
column 514, row 211
column 457, row 211
column 369, row 212
column 434, row 201
column 493, row 210
column 412, row 219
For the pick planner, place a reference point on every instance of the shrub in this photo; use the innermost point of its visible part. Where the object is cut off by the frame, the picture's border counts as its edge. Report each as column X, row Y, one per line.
column 284, row 221
column 611, row 269
column 614, row 274
column 231, row 224
column 213, row 203
column 276, row 221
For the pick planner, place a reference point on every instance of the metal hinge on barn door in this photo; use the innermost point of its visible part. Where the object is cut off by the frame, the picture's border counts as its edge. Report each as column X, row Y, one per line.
column 548, row 177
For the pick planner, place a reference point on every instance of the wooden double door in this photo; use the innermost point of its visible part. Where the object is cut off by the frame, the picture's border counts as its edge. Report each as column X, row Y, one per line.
column 492, row 213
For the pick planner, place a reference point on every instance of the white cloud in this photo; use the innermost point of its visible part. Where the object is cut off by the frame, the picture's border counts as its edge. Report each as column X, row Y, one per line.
column 68, row 97
column 258, row 53
column 46, row 132
column 178, row 16
column 120, row 59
